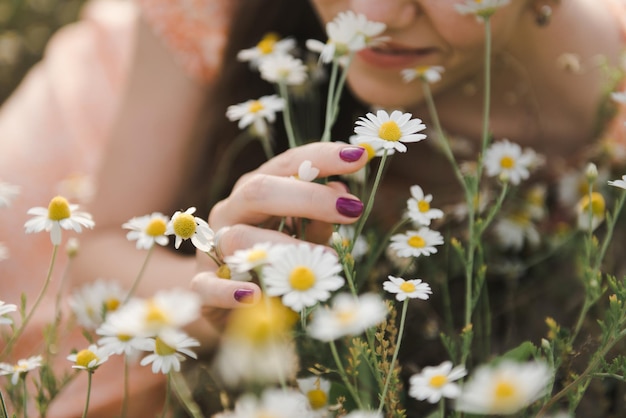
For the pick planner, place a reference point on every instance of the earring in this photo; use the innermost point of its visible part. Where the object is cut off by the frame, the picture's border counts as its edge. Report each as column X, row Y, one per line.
column 543, row 15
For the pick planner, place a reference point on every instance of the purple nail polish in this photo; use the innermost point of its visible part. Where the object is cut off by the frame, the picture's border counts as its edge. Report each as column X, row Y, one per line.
column 244, row 295
column 351, row 154
column 349, row 207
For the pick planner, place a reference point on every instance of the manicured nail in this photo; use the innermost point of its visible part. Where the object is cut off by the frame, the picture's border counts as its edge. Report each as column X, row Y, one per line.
column 244, row 295
column 351, row 154
column 349, row 207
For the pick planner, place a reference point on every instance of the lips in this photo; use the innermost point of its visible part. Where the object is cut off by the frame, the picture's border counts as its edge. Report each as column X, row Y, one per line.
column 397, row 56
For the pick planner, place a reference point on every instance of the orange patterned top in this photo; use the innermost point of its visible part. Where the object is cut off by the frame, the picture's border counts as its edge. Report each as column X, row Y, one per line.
column 194, row 30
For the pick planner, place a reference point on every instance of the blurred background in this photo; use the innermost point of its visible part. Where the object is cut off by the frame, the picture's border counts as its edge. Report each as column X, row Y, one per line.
column 25, row 27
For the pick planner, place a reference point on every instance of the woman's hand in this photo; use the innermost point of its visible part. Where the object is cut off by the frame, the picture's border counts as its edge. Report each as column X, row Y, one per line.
column 264, row 196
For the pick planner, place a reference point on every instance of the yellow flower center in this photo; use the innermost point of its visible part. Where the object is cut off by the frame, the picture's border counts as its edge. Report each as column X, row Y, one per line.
column 184, row 225
column 111, row 304
column 390, row 131
column 507, row 162
column 124, row 337
column 417, row 242
column 407, row 287
column 21, row 367
column 598, row 204
column 371, row 152
column 163, row 349
column 155, row 315
column 262, row 323
column 438, row 380
column 504, row 391
column 345, row 317
column 255, row 106
column 156, row 227
column 58, row 209
column 301, row 278
column 266, row 45
column 84, row 357
column 223, row 272
column 317, row 398
column 256, row 255
column 423, row 206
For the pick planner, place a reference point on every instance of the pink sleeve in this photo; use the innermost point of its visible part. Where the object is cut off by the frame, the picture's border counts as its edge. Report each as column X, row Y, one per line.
column 194, row 30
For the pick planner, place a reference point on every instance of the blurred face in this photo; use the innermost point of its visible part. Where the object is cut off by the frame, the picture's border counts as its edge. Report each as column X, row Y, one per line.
column 421, row 32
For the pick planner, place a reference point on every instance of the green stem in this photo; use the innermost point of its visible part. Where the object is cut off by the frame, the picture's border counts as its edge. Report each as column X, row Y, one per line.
column 139, row 275
column 405, row 306
column 344, row 376
column 25, row 395
column 291, row 136
column 125, row 400
column 329, row 102
column 7, row 349
column 185, row 396
column 89, row 375
column 168, row 395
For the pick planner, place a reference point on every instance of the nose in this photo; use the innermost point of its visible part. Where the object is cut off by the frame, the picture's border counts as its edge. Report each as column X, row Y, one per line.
column 395, row 14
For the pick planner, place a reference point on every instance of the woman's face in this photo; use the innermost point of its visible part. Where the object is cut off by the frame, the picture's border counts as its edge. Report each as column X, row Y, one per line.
column 421, row 32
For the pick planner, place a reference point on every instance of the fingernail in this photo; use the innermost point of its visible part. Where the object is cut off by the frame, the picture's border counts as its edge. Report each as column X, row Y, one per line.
column 244, row 295
column 351, row 154
column 349, row 207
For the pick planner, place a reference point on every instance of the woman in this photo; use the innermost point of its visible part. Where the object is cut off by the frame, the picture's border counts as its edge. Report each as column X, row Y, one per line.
column 547, row 91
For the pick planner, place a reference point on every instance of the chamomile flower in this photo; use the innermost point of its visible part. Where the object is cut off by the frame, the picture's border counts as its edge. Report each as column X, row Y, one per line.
column 433, row 383
column 418, row 207
column 6, row 308
column 618, row 183
column 270, row 45
column 250, row 258
column 344, row 236
column 303, row 275
column 285, row 69
column 317, row 391
column 118, row 336
column 506, row 160
column 373, row 149
column 416, row 243
column 591, row 211
column 89, row 358
column 407, row 289
column 504, row 389
column 428, row 73
column 21, row 368
column 390, row 131
column 482, row 9
column 59, row 214
column 148, row 230
column 516, row 228
column 186, row 226
column 347, row 315
column 257, row 113
column 275, row 403
column 168, row 349
column 93, row 301
column 347, row 33
column 306, row 171
column 8, row 192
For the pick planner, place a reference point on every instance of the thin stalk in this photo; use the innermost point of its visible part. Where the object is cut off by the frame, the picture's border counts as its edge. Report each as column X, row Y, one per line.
column 125, row 400
column 344, row 376
column 168, row 395
column 25, row 396
column 139, row 275
column 89, row 376
column 329, row 102
column 291, row 136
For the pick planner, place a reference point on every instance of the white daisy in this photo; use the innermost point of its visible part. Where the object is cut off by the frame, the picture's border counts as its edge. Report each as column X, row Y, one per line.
column 619, row 96
column 8, row 192
column 186, row 226
column 416, row 243
column 118, row 336
column 59, row 214
column 317, row 391
column 285, row 69
column 347, row 315
column 91, row 302
column 270, row 45
column 148, row 230
column 89, row 358
column 390, row 131
column 306, row 171
column 343, row 237
column 302, row 274
column 347, row 33
column 428, row 73
column 514, row 229
column 433, row 383
column 618, row 183
column 506, row 160
column 275, row 403
column 482, row 9
column 257, row 113
column 411, row 289
column 418, row 207
column 250, row 258
column 20, row 369
column 6, row 308
column 4, row 252
column 168, row 349
column 504, row 389
column 373, row 149
column 591, row 211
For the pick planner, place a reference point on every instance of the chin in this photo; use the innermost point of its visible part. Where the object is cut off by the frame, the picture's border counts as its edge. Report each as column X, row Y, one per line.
column 390, row 93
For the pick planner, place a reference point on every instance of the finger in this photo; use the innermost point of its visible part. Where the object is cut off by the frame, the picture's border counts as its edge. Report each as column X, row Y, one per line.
column 222, row 293
column 263, row 196
column 319, row 232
